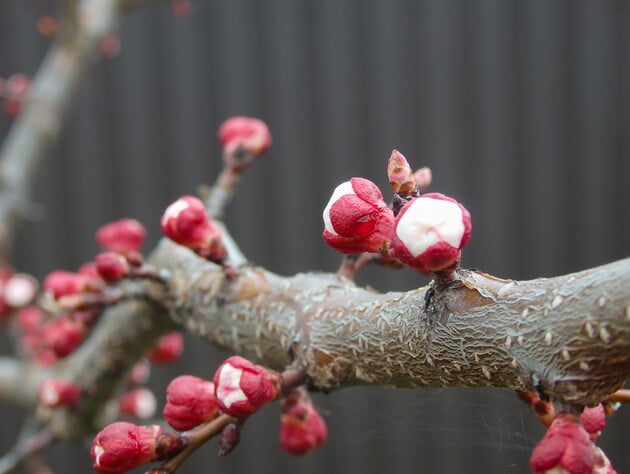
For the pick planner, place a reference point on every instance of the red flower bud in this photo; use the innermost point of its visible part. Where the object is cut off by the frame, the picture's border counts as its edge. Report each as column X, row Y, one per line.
column 400, row 176
column 122, row 236
column 140, row 403
column 189, row 402
column 241, row 387
column 186, row 223
column 593, row 420
column 430, row 232
column 250, row 133
column 167, row 349
column 30, row 319
column 302, row 429
column 63, row 335
column 121, row 447
column 112, row 266
column 57, row 392
column 356, row 218
column 62, row 283
column 140, row 373
column 565, row 447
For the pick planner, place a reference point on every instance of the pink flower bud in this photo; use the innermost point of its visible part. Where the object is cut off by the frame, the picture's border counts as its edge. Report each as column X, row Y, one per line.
column 63, row 335
column 430, row 232
column 302, row 429
column 423, row 178
column 122, row 236
column 121, row 447
column 140, row 373
column 356, row 218
column 30, row 319
column 241, row 387
column 400, row 175
column 140, row 403
column 565, row 447
column 186, row 223
column 593, row 420
column 189, row 402
column 250, row 133
column 18, row 85
column 112, row 266
column 57, row 392
column 62, row 283
column 167, row 349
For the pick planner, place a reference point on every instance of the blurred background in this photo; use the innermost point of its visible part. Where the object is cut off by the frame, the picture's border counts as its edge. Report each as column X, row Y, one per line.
column 520, row 108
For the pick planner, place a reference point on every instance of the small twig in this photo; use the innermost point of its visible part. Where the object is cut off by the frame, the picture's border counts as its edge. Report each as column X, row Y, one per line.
column 28, row 445
column 620, row 396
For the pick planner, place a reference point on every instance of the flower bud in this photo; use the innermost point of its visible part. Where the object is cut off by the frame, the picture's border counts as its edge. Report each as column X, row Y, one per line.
column 249, row 133
column 140, row 373
column 29, row 319
column 400, row 176
column 185, row 222
column 356, row 218
column 56, row 392
column 121, row 447
column 593, row 420
column 189, row 402
column 16, row 290
column 167, row 349
column 139, row 403
column 302, row 429
column 241, row 387
column 430, row 232
column 229, row 438
column 61, row 283
column 62, row 336
column 565, row 447
column 122, row 236
column 112, row 266
column 423, row 178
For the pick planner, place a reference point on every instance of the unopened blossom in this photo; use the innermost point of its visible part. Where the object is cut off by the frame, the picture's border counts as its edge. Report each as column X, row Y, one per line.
column 122, row 236
column 357, row 219
column 60, row 283
column 242, row 387
column 190, row 402
column 16, row 290
column 249, row 133
column 185, row 222
column 63, row 335
column 167, row 349
column 57, row 392
column 400, row 176
column 139, row 402
column 593, row 420
column 302, row 429
column 112, row 266
column 566, row 447
column 430, row 232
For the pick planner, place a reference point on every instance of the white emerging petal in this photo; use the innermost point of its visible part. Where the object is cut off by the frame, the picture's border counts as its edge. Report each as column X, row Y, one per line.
column 49, row 394
column 20, row 290
column 98, row 450
column 341, row 190
column 429, row 221
column 145, row 404
column 174, row 209
column 229, row 390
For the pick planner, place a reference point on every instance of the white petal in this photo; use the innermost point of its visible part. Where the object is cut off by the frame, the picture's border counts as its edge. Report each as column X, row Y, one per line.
column 175, row 209
column 342, row 190
column 20, row 290
column 429, row 221
column 229, row 390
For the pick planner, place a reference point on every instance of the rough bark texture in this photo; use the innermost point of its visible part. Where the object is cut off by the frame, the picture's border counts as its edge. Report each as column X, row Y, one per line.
column 568, row 337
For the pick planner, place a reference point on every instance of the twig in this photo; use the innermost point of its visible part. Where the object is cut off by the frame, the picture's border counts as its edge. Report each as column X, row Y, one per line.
column 29, row 444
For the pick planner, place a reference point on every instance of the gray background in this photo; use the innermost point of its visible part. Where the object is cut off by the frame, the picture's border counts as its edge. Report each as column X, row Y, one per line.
column 521, row 108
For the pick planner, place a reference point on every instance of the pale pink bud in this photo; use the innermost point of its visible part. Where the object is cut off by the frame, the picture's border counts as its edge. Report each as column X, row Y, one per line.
column 430, row 232
column 167, row 349
column 400, row 175
column 18, row 85
column 249, row 133
column 185, row 222
column 241, row 387
column 57, row 392
column 302, row 429
column 112, row 266
column 19, row 290
column 423, row 178
column 356, row 218
column 63, row 335
column 189, row 402
column 122, row 236
column 565, row 447
column 30, row 319
column 140, row 373
column 593, row 420
column 139, row 402
column 121, row 447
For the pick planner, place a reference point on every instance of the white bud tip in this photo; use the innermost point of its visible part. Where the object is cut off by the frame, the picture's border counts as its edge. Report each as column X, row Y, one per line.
column 20, row 290
column 173, row 211
column 145, row 404
column 229, row 390
column 342, row 190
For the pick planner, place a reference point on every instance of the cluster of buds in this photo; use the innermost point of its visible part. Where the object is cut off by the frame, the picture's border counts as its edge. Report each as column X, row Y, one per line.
column 13, row 90
column 246, row 134
column 167, row 349
column 302, row 429
column 17, row 290
column 121, row 447
column 425, row 232
column 186, row 223
column 242, row 387
column 190, row 402
column 64, row 286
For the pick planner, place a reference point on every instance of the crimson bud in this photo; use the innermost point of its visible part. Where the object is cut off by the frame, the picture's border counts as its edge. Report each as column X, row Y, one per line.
column 302, row 429
column 565, row 447
column 593, row 420
column 185, row 222
column 112, row 266
column 63, row 335
column 430, row 232
column 241, row 387
column 356, row 218
column 189, row 402
column 249, row 133
column 139, row 402
column 122, row 236
column 61, row 283
column 167, row 349
column 57, row 392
